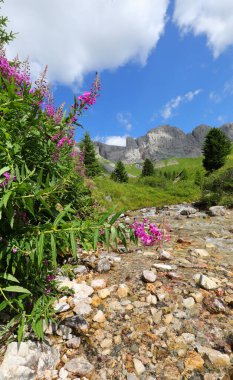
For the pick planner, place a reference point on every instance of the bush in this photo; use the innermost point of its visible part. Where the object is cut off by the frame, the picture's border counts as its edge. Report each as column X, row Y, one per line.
column 92, row 167
column 217, row 147
column 218, row 188
column 148, row 168
column 119, row 174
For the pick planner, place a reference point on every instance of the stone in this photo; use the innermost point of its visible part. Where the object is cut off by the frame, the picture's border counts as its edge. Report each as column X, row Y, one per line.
column 80, row 270
column 205, row 282
column 217, row 211
column 74, row 342
column 80, row 366
column 60, row 307
column 151, row 299
column 106, row 343
column 217, row 359
column 149, row 276
column 189, row 338
column 104, row 293
column 168, row 319
column 82, row 306
column 139, row 367
column 201, row 252
column 27, row 360
column 187, row 211
column 122, row 291
column 76, row 322
column 64, row 331
column 197, row 296
column 99, row 317
column 82, row 290
column 164, row 267
column 193, row 361
column 188, row 302
column 131, row 376
column 63, row 374
column 103, row 266
column 164, row 255
column 99, row 283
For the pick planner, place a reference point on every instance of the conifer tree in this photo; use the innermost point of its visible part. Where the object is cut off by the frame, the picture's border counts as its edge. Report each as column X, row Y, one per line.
column 91, row 164
column 148, row 168
column 119, row 174
column 216, row 148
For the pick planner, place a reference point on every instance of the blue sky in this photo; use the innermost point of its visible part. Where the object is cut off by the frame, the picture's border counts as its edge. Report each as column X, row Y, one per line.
column 164, row 64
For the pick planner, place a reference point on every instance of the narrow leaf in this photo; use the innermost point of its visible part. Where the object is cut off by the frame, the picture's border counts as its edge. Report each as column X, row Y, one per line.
column 73, row 244
column 16, row 289
column 40, row 249
column 9, row 277
column 53, row 250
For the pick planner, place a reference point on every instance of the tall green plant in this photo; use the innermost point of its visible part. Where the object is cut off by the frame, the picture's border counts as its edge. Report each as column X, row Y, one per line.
column 217, row 146
column 91, row 164
column 119, row 174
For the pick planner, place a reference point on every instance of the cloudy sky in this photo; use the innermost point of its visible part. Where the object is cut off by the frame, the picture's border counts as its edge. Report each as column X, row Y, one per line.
column 160, row 61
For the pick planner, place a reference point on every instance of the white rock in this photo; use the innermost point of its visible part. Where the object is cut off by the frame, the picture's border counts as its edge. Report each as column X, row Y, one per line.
column 60, row 307
column 201, row 252
column 139, row 367
column 82, row 290
column 63, row 374
column 205, row 282
column 64, row 331
column 164, row 267
column 99, row 283
column 217, row 211
column 131, row 376
column 164, row 255
column 106, row 343
column 24, row 361
column 80, row 366
column 151, row 299
column 216, row 357
column 189, row 338
column 149, row 276
column 99, row 317
column 188, row 302
column 83, row 306
column 74, row 342
column 104, row 293
column 122, row 291
column 187, row 210
column 103, row 266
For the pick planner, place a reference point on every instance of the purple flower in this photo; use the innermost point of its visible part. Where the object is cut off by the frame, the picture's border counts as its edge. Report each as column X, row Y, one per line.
column 14, row 250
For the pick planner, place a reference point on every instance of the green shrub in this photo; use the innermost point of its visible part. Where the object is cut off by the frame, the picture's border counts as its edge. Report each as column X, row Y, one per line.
column 119, row 174
column 92, row 167
column 218, row 188
column 217, row 146
column 148, row 168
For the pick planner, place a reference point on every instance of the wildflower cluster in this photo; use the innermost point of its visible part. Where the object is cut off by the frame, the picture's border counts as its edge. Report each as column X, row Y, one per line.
column 5, row 181
column 12, row 71
column 149, row 233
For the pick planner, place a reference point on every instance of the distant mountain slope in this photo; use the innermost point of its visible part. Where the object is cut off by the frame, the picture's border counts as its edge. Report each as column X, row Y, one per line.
column 160, row 143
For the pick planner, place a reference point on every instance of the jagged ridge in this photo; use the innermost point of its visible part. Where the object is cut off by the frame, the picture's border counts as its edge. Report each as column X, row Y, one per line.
column 160, row 143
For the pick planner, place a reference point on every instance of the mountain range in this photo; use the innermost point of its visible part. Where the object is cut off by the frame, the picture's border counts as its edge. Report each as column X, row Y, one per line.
column 160, row 143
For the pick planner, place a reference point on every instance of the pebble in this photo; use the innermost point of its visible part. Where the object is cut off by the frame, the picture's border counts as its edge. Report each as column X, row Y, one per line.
column 106, row 343
column 188, row 302
column 99, row 317
column 80, row 366
column 201, row 252
column 216, row 357
column 60, row 307
column 205, row 282
column 149, row 276
column 217, row 211
column 104, row 293
column 98, row 284
column 164, row 255
column 139, row 367
column 164, row 267
column 122, row 291
column 103, row 266
column 74, row 342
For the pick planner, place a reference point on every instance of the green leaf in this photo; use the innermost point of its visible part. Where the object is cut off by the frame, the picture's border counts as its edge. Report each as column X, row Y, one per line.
column 54, row 250
column 21, row 328
column 107, row 238
column 115, row 217
column 6, row 197
column 61, row 215
column 73, row 244
column 40, row 249
column 9, row 277
column 5, row 169
column 3, row 305
column 16, row 289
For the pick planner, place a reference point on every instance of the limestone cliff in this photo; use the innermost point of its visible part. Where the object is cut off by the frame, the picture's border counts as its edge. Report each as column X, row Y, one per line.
column 160, row 143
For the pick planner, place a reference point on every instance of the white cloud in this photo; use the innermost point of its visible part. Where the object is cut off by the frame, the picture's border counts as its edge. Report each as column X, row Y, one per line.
column 168, row 109
column 75, row 37
column 228, row 87
column 112, row 140
column 213, row 18
column 214, row 97
column 124, row 119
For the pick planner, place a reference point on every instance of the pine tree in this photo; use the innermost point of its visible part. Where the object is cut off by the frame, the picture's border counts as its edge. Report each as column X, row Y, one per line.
column 92, row 167
column 119, row 174
column 148, row 168
column 216, row 148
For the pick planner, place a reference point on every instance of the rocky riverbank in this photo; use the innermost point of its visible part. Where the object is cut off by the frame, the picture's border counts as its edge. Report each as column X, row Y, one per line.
column 144, row 314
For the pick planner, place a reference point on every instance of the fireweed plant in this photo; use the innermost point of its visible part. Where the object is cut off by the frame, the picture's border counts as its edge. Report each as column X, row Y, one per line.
column 44, row 203
column 149, row 234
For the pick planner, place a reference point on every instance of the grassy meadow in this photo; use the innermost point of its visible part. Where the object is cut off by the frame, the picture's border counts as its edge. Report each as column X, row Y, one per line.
column 153, row 191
